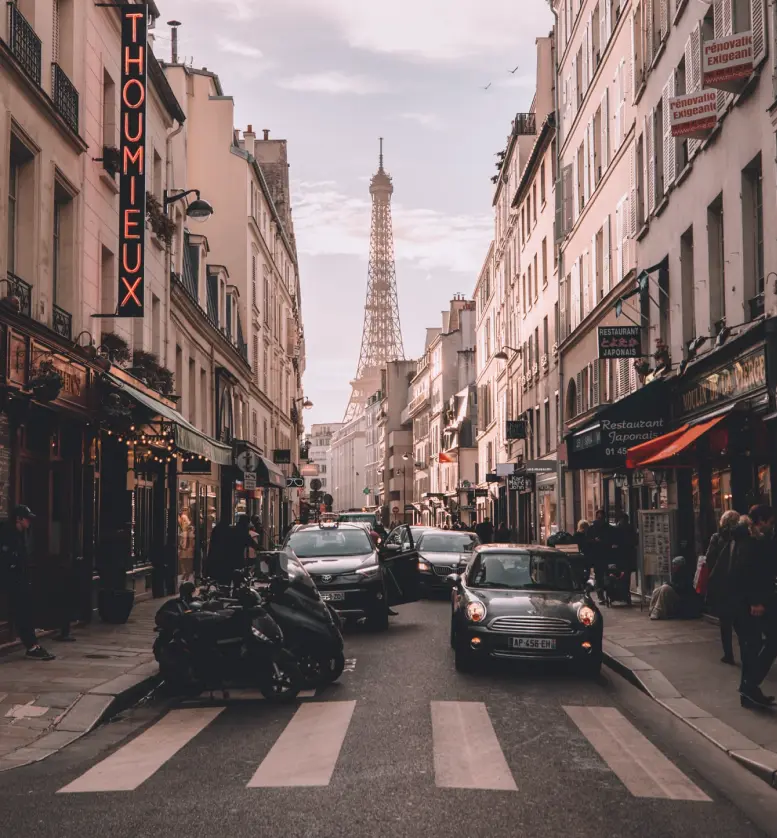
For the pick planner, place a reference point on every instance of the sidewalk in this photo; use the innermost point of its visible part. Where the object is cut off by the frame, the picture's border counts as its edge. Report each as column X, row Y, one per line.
column 677, row 662
column 45, row 706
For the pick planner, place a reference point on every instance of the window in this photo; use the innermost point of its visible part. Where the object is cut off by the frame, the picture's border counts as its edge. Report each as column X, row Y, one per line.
column 534, row 200
column 265, row 372
column 544, row 262
column 157, row 175
column 528, row 211
column 109, row 111
column 255, row 358
column 204, row 399
column 753, row 237
column 156, row 325
column 62, row 253
column 545, row 336
column 547, row 427
column 528, row 285
column 254, row 281
column 717, row 262
column 542, row 182
column 688, row 284
column 192, row 393
column 266, row 296
column 536, row 279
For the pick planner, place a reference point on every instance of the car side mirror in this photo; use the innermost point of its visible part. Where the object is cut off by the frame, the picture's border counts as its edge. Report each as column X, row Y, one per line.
column 453, row 580
column 391, row 548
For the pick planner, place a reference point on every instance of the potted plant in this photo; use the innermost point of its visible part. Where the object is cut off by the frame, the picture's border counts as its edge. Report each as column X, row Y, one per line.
column 164, row 381
column 642, row 367
column 12, row 300
column 117, row 348
column 111, row 160
column 161, row 224
column 661, row 354
column 46, row 382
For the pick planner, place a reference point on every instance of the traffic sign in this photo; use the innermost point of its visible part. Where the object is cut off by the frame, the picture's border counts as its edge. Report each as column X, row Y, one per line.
column 395, row 510
column 316, row 484
column 247, row 461
column 366, row 490
column 249, row 481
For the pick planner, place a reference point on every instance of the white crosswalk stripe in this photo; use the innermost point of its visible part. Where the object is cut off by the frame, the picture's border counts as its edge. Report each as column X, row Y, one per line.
column 637, row 763
column 466, row 749
column 133, row 764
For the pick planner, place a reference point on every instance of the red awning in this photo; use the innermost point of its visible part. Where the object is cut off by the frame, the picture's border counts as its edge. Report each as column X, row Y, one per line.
column 662, row 450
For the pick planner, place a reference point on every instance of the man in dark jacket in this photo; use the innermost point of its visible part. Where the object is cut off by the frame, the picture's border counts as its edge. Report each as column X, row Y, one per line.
column 485, row 531
column 14, row 581
column 752, row 581
column 600, row 540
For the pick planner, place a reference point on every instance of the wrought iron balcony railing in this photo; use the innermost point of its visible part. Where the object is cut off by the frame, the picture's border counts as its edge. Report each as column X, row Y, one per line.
column 23, row 290
column 525, row 123
column 62, row 322
column 24, row 43
column 65, row 96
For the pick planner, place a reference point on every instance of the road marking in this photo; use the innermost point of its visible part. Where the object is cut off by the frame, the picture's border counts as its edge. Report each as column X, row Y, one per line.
column 135, row 762
column 637, row 763
column 467, row 754
column 350, row 665
column 306, row 753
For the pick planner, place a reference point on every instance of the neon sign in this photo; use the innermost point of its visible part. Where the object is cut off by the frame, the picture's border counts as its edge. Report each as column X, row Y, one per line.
column 132, row 179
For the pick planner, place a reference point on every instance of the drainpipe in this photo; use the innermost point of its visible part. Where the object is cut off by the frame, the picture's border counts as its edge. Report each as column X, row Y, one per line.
column 169, row 256
column 560, row 476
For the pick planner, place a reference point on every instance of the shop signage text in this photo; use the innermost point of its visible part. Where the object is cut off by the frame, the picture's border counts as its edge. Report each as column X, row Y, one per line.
column 739, row 378
column 694, row 115
column 73, row 382
column 516, row 429
column 282, row 456
column 727, row 61
column 132, row 177
column 540, row 466
column 620, row 342
column 520, row 483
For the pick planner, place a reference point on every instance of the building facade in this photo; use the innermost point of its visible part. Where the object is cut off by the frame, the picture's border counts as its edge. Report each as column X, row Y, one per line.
column 347, row 466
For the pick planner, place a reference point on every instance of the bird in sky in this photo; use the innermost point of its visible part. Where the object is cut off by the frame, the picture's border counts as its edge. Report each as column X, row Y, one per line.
column 487, row 86
column 513, row 72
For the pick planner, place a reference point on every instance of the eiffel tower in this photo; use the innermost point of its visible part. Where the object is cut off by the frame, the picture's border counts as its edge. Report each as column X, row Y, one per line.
column 382, row 335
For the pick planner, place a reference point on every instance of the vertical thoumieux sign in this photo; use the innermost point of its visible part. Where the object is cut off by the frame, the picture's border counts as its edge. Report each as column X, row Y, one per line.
column 132, row 180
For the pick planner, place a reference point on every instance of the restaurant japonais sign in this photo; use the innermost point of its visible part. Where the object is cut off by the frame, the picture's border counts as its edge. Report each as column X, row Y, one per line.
column 620, row 342
column 132, row 176
column 693, row 115
column 728, row 61
column 737, row 379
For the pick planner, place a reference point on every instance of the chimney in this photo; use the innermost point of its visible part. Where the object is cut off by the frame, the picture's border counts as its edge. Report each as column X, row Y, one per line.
column 174, row 24
column 266, row 133
column 249, row 139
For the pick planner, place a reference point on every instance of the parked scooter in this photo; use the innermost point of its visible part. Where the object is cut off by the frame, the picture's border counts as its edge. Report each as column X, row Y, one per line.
column 311, row 627
column 206, row 645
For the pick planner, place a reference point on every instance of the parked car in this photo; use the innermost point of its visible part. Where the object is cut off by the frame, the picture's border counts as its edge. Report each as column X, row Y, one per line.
column 442, row 552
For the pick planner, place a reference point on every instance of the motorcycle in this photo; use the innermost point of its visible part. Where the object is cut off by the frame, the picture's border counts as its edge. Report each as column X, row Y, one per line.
column 311, row 627
column 204, row 645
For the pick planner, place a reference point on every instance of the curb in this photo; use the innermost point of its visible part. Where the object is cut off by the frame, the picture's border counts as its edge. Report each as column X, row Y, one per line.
column 85, row 713
column 757, row 760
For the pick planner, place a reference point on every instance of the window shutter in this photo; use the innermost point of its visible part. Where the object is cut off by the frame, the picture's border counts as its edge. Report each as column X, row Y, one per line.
column 670, row 165
column 594, row 274
column 650, row 162
column 595, row 383
column 605, row 131
column 587, row 171
column 606, row 256
column 607, row 24
column 574, row 87
column 586, row 283
column 632, row 377
column 579, row 393
column 585, row 56
column 616, row 133
column 693, row 76
column 664, row 18
column 634, row 177
column 758, row 26
column 575, row 189
column 650, row 48
column 623, row 375
column 592, row 156
column 256, row 358
column 619, row 242
column 633, row 56
column 624, row 93
column 574, row 315
column 253, row 280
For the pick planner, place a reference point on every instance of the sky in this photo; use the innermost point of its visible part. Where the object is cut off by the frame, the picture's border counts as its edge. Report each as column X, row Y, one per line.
column 331, row 77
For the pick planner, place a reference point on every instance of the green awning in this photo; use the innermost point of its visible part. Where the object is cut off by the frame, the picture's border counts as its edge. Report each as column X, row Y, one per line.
column 187, row 437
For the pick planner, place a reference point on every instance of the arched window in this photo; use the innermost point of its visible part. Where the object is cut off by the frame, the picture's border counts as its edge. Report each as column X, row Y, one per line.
column 570, row 408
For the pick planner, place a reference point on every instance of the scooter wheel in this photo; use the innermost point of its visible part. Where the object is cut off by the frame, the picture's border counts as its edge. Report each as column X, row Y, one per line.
column 284, row 680
column 320, row 667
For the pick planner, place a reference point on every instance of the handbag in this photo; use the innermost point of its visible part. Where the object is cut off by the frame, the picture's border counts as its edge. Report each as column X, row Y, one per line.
column 702, row 576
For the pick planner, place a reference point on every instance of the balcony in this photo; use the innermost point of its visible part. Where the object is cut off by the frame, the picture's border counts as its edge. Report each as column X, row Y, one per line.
column 65, row 97
column 525, row 123
column 24, row 43
column 62, row 322
column 23, row 292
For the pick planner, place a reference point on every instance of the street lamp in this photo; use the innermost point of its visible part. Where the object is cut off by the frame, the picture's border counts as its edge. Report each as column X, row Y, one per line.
column 198, row 210
column 306, row 403
column 502, row 354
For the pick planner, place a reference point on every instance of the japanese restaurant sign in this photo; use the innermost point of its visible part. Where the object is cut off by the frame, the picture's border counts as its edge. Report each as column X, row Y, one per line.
column 132, row 174
column 726, row 62
column 620, row 342
column 694, row 114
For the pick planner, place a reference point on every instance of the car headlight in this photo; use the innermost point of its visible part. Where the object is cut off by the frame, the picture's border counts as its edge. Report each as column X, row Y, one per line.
column 424, row 566
column 586, row 615
column 369, row 572
column 476, row 612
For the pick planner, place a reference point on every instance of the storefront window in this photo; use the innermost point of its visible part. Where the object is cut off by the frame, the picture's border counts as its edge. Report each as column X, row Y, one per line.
column 721, row 492
column 548, row 512
column 592, row 488
column 764, row 485
column 186, row 535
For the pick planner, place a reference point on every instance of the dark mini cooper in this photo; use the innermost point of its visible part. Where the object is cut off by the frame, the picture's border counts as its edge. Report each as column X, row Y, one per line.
column 524, row 603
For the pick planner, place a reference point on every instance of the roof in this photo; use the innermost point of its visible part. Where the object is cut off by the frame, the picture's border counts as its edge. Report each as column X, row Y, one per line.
column 162, row 86
column 517, row 548
column 540, row 144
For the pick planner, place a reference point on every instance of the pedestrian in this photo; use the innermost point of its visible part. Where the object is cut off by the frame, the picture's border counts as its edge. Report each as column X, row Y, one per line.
column 217, row 562
column 14, row 580
column 502, row 535
column 675, row 599
column 256, row 524
column 485, row 531
column 719, row 559
column 755, row 605
column 600, row 540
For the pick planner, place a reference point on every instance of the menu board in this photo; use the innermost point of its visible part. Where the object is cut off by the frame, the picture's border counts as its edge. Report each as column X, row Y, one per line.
column 657, row 541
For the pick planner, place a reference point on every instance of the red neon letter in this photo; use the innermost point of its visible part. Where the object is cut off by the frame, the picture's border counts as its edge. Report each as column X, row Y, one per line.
column 135, row 17
column 133, row 157
column 131, row 291
column 137, row 137
column 124, row 263
column 128, row 60
column 141, row 95
column 129, row 223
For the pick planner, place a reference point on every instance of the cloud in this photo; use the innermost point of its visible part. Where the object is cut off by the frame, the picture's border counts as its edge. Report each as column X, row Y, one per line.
column 427, row 120
column 330, row 223
column 333, row 82
column 238, row 48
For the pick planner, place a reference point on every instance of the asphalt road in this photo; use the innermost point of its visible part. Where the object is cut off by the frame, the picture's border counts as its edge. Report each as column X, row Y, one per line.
column 402, row 746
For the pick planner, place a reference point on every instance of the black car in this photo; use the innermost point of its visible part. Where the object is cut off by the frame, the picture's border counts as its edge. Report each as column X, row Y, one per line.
column 524, row 603
column 352, row 575
column 440, row 553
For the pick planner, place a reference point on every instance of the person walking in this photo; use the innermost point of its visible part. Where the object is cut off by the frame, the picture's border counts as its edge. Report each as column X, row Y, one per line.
column 502, row 535
column 14, row 581
column 719, row 558
column 485, row 531
column 755, row 603
column 600, row 535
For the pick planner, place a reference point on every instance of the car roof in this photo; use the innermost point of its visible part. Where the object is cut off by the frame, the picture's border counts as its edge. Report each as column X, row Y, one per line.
column 518, row 548
column 338, row 525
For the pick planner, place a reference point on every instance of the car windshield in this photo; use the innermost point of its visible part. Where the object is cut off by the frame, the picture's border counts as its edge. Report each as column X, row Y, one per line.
column 447, row 542
column 358, row 518
column 319, row 543
column 523, row 571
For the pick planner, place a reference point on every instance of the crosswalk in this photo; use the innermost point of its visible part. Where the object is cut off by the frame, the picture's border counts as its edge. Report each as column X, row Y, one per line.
column 466, row 749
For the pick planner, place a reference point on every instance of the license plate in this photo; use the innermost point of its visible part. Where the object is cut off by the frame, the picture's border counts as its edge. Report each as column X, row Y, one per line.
column 333, row 596
column 532, row 643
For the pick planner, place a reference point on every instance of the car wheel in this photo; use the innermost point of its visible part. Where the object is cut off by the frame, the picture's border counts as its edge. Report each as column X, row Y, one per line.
column 378, row 620
column 464, row 659
column 590, row 666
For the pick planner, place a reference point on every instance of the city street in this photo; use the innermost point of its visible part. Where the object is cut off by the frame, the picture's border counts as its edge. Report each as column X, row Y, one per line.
column 401, row 746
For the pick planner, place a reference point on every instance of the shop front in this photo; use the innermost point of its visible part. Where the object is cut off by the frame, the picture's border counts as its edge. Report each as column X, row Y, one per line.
column 258, row 491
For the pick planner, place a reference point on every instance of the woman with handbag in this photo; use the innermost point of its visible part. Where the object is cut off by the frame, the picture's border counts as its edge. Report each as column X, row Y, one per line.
column 719, row 563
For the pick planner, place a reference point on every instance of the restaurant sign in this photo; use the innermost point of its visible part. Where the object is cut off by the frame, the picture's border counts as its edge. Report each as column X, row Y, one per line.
column 132, row 177
column 740, row 377
column 694, row 114
column 620, row 342
column 727, row 62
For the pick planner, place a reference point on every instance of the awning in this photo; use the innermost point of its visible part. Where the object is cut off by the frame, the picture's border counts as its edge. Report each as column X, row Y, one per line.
column 268, row 474
column 660, row 452
column 185, row 434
